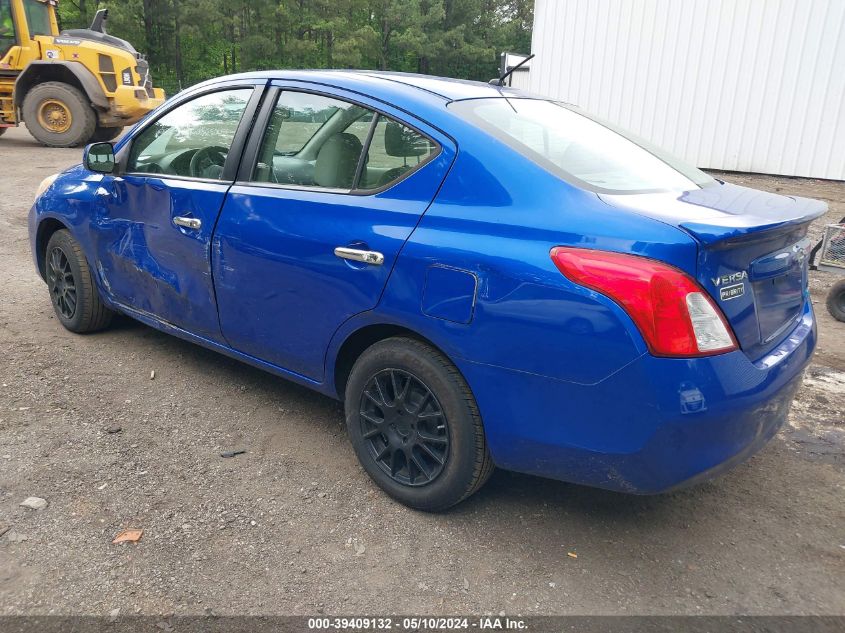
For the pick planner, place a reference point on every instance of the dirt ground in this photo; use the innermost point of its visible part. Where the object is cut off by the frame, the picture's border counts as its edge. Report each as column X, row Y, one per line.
column 294, row 526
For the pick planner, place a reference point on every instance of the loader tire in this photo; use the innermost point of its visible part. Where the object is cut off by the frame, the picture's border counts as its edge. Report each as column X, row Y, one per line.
column 836, row 300
column 59, row 115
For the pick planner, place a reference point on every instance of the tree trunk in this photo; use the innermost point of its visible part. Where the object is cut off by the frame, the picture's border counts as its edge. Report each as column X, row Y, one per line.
column 180, row 72
column 149, row 32
column 385, row 45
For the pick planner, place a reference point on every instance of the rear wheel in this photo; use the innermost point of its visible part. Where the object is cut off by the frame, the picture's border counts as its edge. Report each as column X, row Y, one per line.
column 103, row 134
column 836, row 300
column 59, row 115
column 415, row 425
column 74, row 295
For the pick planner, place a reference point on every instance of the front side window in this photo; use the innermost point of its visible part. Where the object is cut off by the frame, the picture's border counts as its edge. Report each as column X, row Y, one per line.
column 580, row 149
column 192, row 140
column 7, row 27
column 37, row 17
column 318, row 141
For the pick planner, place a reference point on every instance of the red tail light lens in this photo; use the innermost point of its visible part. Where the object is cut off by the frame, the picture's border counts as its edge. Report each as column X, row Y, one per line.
column 673, row 313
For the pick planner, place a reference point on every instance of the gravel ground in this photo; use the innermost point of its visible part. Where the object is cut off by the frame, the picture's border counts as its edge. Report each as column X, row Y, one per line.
column 295, row 527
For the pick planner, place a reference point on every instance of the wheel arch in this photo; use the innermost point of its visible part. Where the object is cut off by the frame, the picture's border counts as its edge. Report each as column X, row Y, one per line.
column 362, row 338
column 71, row 73
column 46, row 229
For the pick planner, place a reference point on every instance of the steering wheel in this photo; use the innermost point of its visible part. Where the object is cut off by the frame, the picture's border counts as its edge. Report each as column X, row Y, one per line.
column 206, row 157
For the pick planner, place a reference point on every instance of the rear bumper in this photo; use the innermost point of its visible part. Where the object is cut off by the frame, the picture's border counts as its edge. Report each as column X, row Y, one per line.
column 656, row 424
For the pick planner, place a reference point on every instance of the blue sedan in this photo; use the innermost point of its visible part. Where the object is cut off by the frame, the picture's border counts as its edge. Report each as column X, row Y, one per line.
column 484, row 277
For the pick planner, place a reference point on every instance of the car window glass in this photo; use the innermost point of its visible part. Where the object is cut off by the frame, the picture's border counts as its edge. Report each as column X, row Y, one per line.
column 310, row 141
column 193, row 139
column 394, row 151
column 361, row 127
column 302, row 115
column 579, row 148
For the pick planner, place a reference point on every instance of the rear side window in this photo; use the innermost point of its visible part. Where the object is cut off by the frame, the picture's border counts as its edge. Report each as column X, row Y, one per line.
column 580, row 149
column 307, row 142
column 301, row 115
column 318, row 141
column 394, row 151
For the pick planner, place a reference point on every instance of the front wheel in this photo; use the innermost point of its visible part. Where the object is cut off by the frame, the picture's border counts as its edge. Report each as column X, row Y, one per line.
column 74, row 295
column 415, row 426
column 836, row 300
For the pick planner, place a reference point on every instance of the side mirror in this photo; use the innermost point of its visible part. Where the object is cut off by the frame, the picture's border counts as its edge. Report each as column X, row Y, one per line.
column 99, row 157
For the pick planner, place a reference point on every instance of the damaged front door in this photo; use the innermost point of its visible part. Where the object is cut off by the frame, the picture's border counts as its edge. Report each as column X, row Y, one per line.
column 154, row 230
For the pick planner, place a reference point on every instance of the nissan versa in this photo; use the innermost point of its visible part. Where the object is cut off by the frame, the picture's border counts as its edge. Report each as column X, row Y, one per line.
column 484, row 277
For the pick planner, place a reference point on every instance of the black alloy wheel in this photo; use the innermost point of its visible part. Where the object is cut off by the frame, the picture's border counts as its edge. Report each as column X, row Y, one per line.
column 73, row 293
column 414, row 424
column 61, row 283
column 405, row 427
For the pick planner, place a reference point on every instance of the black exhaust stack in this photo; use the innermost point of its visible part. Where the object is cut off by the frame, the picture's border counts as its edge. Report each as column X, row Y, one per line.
column 99, row 23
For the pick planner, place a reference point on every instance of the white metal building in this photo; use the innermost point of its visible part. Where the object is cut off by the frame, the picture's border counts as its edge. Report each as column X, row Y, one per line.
column 744, row 85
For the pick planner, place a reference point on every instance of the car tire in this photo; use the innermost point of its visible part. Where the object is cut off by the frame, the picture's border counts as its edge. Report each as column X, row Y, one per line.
column 3, row 130
column 415, row 425
column 836, row 300
column 59, row 115
column 73, row 293
column 105, row 134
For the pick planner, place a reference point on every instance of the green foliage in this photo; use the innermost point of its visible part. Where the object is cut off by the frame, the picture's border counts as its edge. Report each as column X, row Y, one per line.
column 187, row 41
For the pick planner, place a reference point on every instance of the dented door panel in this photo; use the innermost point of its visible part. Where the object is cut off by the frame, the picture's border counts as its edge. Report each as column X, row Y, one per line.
column 149, row 263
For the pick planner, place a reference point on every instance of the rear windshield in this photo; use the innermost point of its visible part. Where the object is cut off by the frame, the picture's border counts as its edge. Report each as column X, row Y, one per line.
column 580, row 149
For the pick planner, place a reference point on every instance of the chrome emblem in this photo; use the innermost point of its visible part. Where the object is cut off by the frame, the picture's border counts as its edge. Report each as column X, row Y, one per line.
column 724, row 280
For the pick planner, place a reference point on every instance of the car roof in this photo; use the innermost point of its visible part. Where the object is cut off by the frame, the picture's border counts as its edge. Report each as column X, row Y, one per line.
column 451, row 89
column 423, row 97
column 367, row 80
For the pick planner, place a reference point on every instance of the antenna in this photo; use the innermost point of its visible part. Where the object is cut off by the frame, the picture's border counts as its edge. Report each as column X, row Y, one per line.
column 501, row 80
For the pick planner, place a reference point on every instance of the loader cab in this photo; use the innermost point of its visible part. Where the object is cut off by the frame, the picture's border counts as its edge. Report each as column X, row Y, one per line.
column 7, row 28
column 31, row 18
column 21, row 21
column 40, row 17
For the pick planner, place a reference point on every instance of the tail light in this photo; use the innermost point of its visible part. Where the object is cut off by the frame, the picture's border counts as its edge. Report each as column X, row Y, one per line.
column 674, row 314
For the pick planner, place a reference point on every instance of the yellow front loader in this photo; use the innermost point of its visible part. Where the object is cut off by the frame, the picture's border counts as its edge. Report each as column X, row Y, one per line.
column 72, row 87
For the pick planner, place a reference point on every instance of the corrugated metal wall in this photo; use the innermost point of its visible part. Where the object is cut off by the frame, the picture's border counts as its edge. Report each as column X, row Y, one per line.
column 745, row 85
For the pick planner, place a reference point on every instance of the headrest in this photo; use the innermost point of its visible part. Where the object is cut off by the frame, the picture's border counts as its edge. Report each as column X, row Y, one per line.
column 337, row 161
column 401, row 141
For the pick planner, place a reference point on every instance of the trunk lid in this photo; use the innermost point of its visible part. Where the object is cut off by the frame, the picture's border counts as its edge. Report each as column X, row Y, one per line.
column 753, row 253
